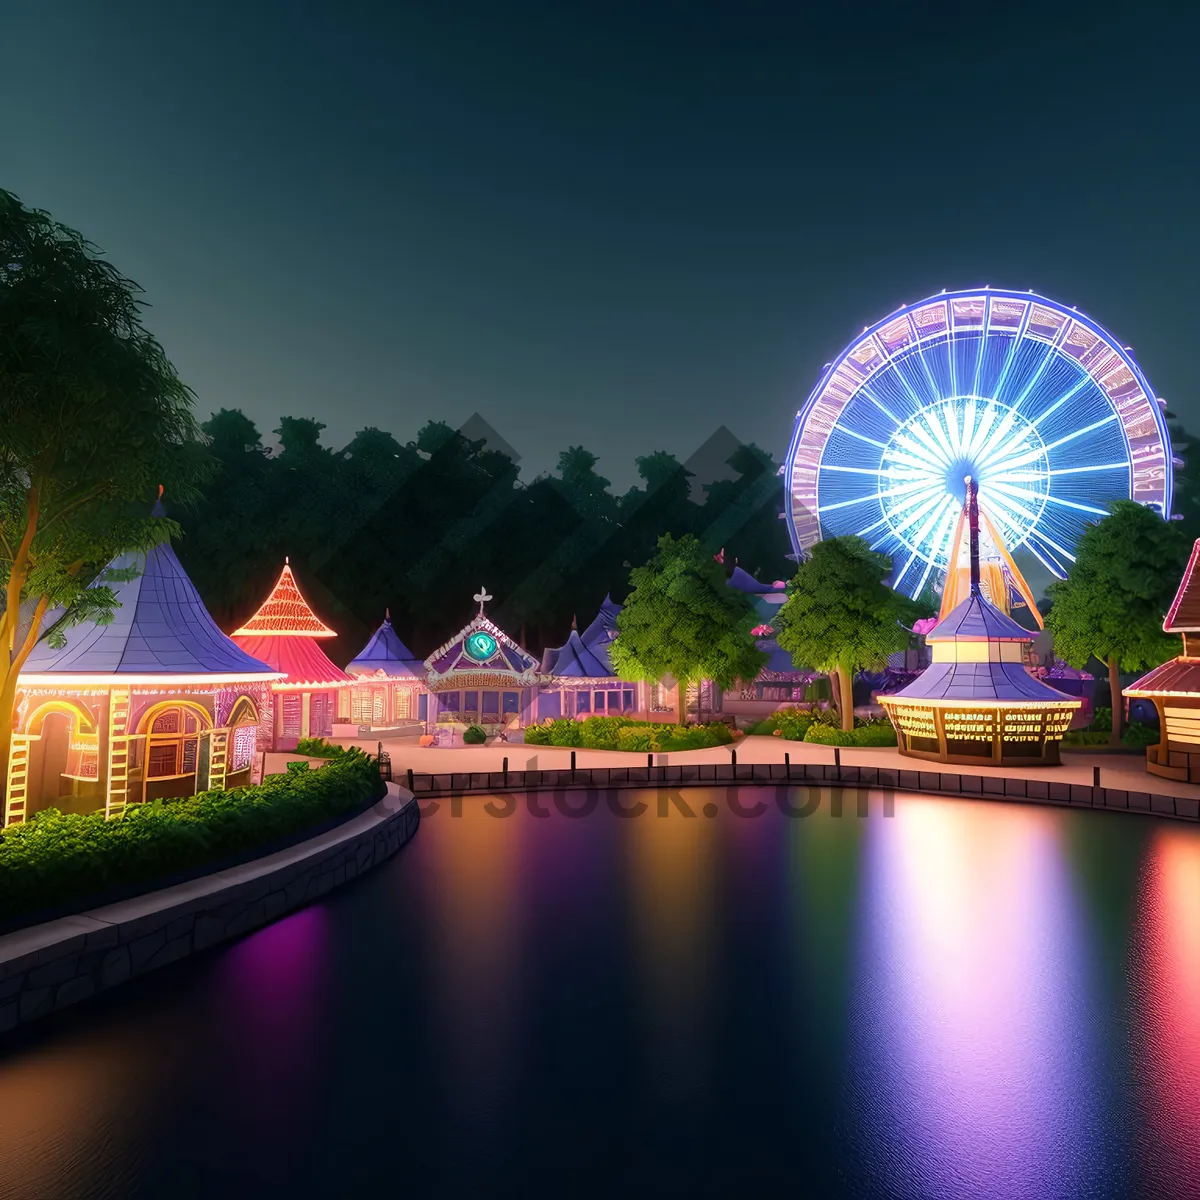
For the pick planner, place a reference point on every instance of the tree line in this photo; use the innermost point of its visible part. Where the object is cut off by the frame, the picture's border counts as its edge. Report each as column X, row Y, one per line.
column 417, row 526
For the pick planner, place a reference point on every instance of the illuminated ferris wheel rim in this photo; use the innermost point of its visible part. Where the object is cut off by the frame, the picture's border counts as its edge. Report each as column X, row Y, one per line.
column 987, row 315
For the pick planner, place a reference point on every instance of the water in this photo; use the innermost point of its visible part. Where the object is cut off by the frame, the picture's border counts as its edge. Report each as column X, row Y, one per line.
column 967, row 999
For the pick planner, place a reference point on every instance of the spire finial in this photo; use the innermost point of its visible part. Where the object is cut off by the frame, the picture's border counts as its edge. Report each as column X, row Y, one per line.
column 387, row 615
column 973, row 522
column 482, row 597
column 286, row 561
column 160, row 491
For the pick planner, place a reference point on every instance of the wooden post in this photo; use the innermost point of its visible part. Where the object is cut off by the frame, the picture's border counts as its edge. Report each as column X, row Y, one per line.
column 787, row 766
column 410, row 779
column 1095, row 777
column 572, row 764
column 505, row 768
column 837, row 762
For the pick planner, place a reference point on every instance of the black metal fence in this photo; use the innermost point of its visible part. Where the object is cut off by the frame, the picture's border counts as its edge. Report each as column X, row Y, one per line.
column 951, row 783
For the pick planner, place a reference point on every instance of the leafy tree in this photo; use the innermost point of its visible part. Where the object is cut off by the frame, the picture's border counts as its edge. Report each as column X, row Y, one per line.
column 1112, row 604
column 681, row 619
column 840, row 617
column 92, row 418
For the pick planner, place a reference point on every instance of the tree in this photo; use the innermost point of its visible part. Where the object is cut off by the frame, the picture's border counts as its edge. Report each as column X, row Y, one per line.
column 1112, row 604
column 92, row 418
column 681, row 619
column 841, row 617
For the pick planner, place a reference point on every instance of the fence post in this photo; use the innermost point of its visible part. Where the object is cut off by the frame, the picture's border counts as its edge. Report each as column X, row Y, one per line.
column 787, row 767
column 506, row 770
column 649, row 763
column 410, row 780
column 733, row 759
column 572, row 764
column 1095, row 777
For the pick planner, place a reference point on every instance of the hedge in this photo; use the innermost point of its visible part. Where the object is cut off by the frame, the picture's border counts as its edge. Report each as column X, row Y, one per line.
column 623, row 733
column 58, row 858
column 1137, row 734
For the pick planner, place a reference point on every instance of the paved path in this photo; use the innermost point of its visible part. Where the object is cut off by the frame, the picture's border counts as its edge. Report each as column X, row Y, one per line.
column 1127, row 771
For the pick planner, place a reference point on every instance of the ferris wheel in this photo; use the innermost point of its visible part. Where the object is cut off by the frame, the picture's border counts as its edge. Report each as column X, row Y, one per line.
column 1039, row 404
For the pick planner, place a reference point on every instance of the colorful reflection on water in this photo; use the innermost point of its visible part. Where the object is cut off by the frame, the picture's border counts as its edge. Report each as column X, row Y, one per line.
column 963, row 999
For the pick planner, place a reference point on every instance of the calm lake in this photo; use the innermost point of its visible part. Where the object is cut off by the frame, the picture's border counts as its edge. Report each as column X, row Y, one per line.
column 964, row 999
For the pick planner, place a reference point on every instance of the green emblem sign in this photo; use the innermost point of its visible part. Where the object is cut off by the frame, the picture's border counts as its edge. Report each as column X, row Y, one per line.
column 481, row 646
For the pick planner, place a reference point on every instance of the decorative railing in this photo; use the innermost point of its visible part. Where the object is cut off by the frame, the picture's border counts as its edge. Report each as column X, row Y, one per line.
column 951, row 783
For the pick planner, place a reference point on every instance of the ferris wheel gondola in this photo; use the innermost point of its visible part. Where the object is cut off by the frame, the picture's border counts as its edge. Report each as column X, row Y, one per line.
column 1039, row 404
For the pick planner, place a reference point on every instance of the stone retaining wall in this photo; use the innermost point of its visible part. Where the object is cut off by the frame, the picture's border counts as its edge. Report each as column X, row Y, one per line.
column 49, row 966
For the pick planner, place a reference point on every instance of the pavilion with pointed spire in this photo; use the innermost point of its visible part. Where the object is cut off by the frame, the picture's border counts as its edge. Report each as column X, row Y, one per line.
column 389, row 682
column 578, row 676
column 481, row 676
column 977, row 701
column 157, row 703
column 285, row 633
column 1174, row 687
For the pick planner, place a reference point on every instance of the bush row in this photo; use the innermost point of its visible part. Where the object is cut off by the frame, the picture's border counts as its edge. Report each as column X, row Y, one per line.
column 622, row 733
column 824, row 727
column 58, row 858
column 1137, row 735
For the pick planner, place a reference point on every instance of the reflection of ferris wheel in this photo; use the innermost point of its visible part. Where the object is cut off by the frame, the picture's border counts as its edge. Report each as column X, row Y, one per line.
column 1035, row 401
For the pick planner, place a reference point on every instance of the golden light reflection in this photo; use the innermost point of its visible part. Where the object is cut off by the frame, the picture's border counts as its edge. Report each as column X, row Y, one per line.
column 672, row 863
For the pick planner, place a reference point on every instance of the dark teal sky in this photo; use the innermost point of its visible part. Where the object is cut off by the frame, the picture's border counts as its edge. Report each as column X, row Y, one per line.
column 615, row 224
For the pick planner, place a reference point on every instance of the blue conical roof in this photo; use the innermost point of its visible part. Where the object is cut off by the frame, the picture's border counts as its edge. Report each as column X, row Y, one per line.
column 601, row 633
column 574, row 659
column 161, row 627
column 386, row 653
column 977, row 620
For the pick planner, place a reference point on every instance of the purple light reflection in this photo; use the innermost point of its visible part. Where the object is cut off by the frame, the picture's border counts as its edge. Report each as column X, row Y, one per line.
column 974, row 1066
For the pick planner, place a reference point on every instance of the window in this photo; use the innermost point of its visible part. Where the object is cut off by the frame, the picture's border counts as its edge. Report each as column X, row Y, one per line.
column 491, row 704
column 319, row 724
column 614, row 702
column 402, row 698
column 583, row 702
column 163, row 758
column 360, row 706
column 599, row 702
column 244, row 739
column 166, row 722
column 627, row 701
column 377, row 707
column 293, row 711
column 512, row 702
column 471, row 702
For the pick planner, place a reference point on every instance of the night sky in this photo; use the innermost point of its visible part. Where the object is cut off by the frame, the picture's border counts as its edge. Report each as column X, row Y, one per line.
column 609, row 224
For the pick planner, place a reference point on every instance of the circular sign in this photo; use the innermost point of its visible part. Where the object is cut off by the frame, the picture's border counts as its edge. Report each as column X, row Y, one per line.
column 481, row 646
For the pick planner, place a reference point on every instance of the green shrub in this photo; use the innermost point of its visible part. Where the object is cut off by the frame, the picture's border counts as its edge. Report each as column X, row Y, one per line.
column 1101, row 721
column 537, row 735
column 827, row 735
column 1140, row 735
column 600, row 733
column 566, row 732
column 474, row 735
column 1085, row 737
column 57, row 858
column 316, row 747
column 639, row 738
column 875, row 733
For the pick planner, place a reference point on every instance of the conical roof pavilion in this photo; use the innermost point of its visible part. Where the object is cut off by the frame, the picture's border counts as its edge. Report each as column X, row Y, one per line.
column 283, row 633
column 160, row 632
column 386, row 655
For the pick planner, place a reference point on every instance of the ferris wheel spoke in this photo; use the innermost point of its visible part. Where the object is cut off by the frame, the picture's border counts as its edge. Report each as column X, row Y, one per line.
column 922, row 534
column 942, row 549
column 918, row 512
column 862, row 437
column 1120, row 466
column 1048, row 357
column 1088, row 508
column 939, row 439
column 1068, row 395
column 1070, row 437
column 887, row 412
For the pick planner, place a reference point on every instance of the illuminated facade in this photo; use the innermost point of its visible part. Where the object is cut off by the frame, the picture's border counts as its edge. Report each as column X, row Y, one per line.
column 481, row 677
column 977, row 702
column 285, row 634
column 1039, row 404
column 578, row 679
column 1174, row 687
column 158, row 703
column 389, row 683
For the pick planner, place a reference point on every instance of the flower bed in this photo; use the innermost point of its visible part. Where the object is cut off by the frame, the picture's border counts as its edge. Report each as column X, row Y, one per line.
column 58, row 858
